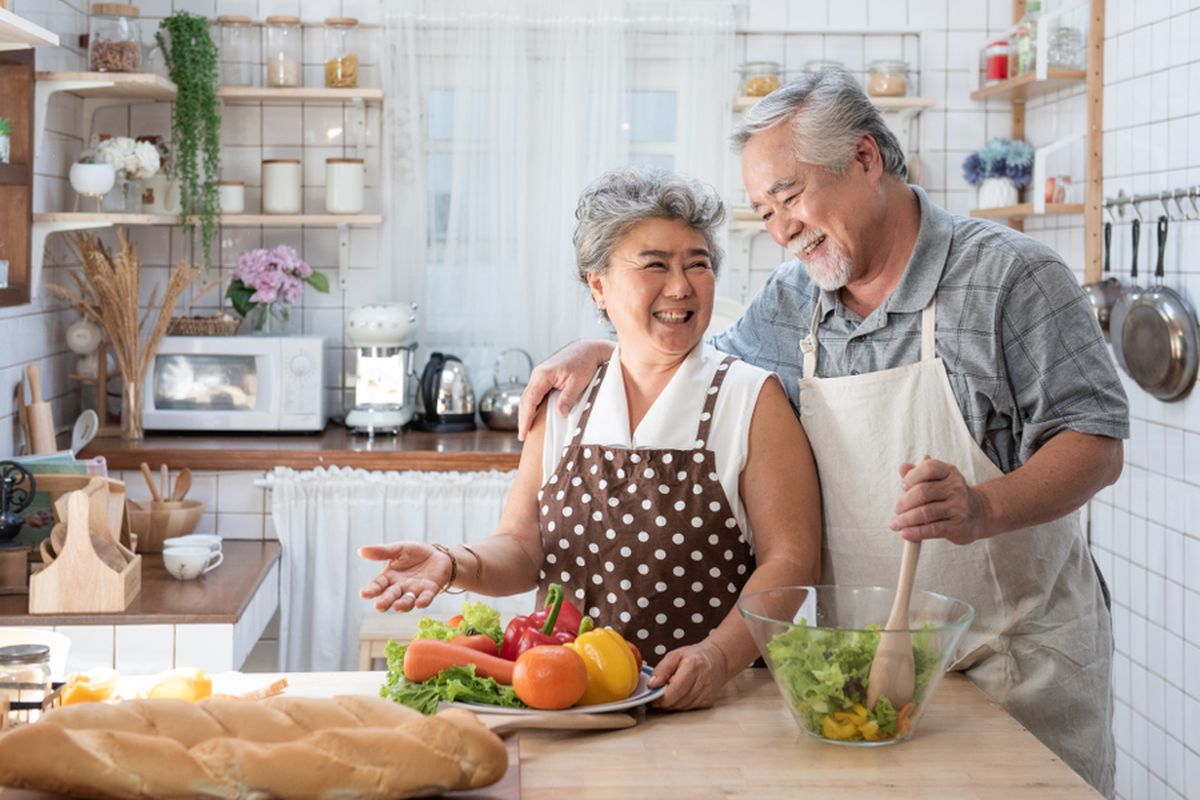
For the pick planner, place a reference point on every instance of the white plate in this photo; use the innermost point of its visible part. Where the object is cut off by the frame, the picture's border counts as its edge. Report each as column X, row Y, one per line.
column 640, row 696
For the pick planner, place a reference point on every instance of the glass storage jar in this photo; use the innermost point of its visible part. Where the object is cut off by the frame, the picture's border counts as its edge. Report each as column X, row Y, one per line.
column 344, row 185
column 759, row 78
column 115, row 38
column 993, row 63
column 888, row 78
column 1065, row 49
column 341, row 60
column 239, row 38
column 281, row 186
column 822, row 64
column 284, row 52
column 24, row 678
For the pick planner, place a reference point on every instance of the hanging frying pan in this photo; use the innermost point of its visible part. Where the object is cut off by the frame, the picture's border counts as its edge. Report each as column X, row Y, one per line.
column 1116, row 317
column 1159, row 336
column 1105, row 293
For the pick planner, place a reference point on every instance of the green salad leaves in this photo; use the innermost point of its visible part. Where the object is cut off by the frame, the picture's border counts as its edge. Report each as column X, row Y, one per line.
column 456, row 683
column 824, row 673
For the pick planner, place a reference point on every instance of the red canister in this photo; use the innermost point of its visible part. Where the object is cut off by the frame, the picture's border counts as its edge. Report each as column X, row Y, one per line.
column 995, row 62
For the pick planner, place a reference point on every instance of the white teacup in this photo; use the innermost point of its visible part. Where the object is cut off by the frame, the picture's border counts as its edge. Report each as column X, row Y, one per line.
column 209, row 540
column 186, row 563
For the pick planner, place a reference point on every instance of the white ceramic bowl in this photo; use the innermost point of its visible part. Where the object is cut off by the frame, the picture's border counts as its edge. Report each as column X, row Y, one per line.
column 59, row 646
column 187, row 563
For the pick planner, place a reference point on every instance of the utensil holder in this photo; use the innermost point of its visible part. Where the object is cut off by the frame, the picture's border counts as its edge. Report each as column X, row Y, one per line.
column 155, row 522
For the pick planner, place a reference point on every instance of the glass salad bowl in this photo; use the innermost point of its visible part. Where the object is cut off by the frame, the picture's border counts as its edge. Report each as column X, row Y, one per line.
column 818, row 642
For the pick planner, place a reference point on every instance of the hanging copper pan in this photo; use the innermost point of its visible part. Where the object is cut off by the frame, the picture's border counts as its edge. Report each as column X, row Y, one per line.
column 1159, row 336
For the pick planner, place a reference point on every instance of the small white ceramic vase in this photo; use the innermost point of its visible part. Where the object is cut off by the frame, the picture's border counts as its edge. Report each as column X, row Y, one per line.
column 92, row 180
column 159, row 194
column 997, row 192
column 4, row 148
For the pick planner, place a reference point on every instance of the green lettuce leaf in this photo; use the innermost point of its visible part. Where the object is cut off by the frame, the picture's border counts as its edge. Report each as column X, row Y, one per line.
column 459, row 684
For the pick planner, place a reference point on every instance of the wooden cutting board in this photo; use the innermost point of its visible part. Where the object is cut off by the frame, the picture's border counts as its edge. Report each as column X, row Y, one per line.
column 508, row 788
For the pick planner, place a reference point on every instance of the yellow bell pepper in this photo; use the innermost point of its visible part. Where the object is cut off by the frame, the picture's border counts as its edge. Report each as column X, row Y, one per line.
column 833, row 729
column 612, row 669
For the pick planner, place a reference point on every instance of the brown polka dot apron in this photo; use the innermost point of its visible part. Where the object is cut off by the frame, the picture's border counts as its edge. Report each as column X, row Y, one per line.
column 644, row 540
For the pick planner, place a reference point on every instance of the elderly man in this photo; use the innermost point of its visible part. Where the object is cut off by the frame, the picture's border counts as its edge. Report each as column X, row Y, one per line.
column 955, row 388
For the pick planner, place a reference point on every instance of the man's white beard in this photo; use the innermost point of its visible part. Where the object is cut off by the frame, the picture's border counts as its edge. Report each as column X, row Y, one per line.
column 833, row 272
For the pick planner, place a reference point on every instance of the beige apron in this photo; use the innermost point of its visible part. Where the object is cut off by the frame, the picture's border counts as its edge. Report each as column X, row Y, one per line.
column 1041, row 644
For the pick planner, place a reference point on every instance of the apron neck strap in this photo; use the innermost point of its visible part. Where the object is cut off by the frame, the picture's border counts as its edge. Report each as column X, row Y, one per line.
column 928, row 318
column 710, row 401
column 808, row 345
column 589, row 404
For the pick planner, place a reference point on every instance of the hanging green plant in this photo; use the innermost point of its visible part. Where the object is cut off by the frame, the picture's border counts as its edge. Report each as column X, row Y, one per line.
column 191, row 60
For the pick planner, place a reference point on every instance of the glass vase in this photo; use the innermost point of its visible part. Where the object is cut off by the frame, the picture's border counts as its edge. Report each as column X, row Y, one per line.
column 131, row 411
column 267, row 319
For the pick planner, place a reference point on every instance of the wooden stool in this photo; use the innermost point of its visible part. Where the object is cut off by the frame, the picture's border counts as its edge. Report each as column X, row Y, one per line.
column 377, row 629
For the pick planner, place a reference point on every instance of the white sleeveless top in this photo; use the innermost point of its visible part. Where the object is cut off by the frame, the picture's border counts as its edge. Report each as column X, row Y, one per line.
column 672, row 421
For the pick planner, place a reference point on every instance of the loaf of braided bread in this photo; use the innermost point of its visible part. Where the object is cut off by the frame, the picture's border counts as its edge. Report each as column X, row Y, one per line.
column 283, row 747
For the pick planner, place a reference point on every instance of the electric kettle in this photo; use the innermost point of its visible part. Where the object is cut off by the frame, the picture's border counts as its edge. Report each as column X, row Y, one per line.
column 444, row 396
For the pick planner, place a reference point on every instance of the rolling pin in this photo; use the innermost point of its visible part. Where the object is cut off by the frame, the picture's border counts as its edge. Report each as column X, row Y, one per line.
column 39, row 414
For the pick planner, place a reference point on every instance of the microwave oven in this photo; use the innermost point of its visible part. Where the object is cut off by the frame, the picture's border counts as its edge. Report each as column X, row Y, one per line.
column 235, row 383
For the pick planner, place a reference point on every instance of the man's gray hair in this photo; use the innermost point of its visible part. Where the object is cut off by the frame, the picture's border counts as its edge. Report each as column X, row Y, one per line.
column 829, row 113
column 622, row 198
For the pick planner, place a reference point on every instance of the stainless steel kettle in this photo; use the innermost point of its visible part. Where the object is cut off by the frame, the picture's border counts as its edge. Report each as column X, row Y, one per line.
column 445, row 396
column 499, row 405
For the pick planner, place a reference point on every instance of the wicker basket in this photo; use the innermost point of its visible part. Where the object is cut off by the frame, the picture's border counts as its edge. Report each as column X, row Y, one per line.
column 221, row 324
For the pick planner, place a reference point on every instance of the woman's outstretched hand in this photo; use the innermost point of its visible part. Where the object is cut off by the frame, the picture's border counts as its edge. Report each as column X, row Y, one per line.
column 412, row 577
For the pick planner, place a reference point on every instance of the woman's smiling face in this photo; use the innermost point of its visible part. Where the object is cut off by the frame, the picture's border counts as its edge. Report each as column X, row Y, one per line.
column 658, row 288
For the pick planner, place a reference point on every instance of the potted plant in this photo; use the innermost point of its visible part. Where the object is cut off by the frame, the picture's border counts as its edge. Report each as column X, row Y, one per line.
column 999, row 170
column 91, row 177
column 5, row 132
column 191, row 59
column 266, row 282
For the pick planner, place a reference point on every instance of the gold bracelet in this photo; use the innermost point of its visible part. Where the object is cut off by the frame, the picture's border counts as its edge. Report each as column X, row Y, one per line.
column 478, row 562
column 441, row 548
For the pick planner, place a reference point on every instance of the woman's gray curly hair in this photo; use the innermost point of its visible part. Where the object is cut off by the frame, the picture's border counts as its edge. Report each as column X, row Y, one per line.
column 622, row 198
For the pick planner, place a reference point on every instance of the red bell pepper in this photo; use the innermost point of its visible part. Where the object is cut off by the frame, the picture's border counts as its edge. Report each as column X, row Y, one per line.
column 557, row 623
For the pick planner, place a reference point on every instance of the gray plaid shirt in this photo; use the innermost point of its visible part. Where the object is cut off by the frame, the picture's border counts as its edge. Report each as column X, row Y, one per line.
column 1024, row 353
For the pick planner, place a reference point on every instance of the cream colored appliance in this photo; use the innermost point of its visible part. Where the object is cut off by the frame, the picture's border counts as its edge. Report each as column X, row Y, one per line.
column 384, row 338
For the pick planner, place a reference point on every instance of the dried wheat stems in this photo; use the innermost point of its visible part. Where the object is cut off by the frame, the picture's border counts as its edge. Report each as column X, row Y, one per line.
column 108, row 293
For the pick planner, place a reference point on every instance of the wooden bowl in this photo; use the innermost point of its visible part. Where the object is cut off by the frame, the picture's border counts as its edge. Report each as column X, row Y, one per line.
column 154, row 522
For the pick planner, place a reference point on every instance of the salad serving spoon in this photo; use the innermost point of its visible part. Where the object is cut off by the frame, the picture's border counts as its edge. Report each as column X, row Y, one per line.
column 893, row 672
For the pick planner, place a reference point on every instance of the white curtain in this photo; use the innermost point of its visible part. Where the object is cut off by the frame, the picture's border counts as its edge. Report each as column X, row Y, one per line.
column 323, row 516
column 499, row 114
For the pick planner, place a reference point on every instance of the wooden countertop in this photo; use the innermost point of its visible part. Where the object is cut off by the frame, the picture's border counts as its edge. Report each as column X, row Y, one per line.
column 748, row 745
column 219, row 597
column 335, row 446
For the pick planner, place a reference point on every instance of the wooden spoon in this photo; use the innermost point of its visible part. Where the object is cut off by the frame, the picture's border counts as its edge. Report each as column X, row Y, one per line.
column 893, row 673
column 500, row 724
column 183, row 484
column 165, row 490
column 149, row 476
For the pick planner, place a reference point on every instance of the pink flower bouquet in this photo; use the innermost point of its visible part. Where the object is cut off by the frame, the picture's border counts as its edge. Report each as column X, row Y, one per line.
column 268, row 281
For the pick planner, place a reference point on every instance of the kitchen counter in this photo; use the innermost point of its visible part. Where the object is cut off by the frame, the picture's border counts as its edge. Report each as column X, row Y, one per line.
column 220, row 597
column 748, row 745
column 335, row 446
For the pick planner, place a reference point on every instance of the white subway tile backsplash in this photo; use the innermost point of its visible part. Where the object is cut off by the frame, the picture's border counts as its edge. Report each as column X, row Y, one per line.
column 91, row 646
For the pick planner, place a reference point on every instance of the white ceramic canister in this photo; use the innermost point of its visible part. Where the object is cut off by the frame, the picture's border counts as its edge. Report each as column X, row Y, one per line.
column 281, row 186
column 344, row 185
column 232, row 196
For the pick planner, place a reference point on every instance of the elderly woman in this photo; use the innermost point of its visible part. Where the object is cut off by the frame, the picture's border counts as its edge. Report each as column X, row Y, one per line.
column 685, row 479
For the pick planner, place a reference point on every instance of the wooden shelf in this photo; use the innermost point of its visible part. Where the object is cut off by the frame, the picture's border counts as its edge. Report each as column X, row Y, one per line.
column 122, row 85
column 227, row 221
column 1025, row 210
column 14, row 174
column 267, row 96
column 17, row 33
column 1027, row 86
column 888, row 105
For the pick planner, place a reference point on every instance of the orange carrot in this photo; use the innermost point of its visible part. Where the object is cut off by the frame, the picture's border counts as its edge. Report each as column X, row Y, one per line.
column 427, row 657
column 478, row 641
column 455, row 621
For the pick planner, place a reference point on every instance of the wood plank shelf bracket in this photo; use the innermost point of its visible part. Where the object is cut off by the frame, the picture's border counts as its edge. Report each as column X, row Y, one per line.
column 42, row 229
column 46, row 88
column 343, row 233
column 358, row 122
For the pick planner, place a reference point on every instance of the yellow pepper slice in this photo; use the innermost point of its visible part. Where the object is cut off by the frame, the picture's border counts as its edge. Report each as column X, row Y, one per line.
column 612, row 669
column 832, row 729
column 870, row 731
